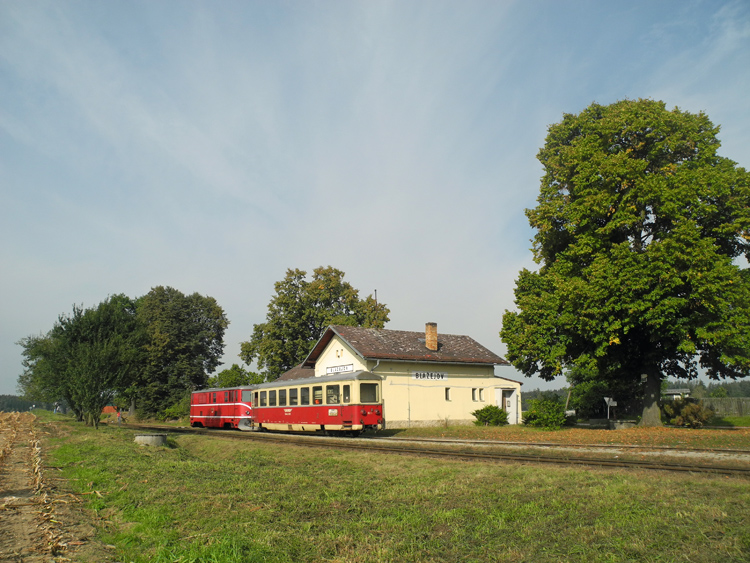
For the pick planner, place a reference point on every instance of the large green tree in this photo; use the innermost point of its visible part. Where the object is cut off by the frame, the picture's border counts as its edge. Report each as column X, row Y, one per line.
column 185, row 342
column 300, row 312
column 86, row 359
column 642, row 244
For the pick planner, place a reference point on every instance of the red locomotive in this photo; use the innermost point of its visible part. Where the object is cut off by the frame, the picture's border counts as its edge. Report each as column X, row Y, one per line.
column 342, row 404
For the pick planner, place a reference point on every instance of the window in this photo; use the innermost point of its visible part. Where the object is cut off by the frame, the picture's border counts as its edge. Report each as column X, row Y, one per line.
column 481, row 394
column 368, row 392
column 474, row 394
column 447, row 393
column 332, row 394
column 272, row 398
column 263, row 402
column 214, row 397
column 282, row 397
column 247, row 396
column 304, row 396
column 317, row 395
column 292, row 397
column 346, row 398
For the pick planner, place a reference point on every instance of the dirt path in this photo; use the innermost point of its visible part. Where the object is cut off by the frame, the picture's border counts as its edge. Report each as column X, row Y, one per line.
column 38, row 522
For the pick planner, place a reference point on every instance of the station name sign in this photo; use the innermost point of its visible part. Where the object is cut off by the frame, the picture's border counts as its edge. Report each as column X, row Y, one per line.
column 339, row 369
column 432, row 375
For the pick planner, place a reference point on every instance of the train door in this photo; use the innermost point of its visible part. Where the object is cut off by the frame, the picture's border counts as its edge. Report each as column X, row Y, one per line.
column 507, row 399
column 214, row 412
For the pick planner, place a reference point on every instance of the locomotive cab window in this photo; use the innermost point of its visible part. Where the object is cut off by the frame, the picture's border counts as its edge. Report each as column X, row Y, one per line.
column 282, row 397
column 346, row 394
column 292, row 397
column 318, row 395
column 304, row 396
column 368, row 392
column 247, row 396
column 332, row 394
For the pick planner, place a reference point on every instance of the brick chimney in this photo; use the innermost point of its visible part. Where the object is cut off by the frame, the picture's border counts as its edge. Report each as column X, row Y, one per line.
column 430, row 336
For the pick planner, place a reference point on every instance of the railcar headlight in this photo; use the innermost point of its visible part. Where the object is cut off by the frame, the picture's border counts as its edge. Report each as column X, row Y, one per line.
column 247, row 412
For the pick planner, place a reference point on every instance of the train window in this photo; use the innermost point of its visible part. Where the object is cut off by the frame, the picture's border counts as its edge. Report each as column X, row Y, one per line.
column 226, row 396
column 292, row 397
column 247, row 396
column 304, row 396
column 332, row 394
column 263, row 399
column 214, row 397
column 346, row 396
column 368, row 392
column 282, row 397
column 272, row 398
column 317, row 395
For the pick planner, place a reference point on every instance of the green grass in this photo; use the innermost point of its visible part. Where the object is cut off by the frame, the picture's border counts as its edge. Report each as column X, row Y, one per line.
column 730, row 421
column 208, row 500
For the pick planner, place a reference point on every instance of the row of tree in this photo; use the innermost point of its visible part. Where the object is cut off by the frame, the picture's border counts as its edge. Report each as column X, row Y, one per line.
column 151, row 351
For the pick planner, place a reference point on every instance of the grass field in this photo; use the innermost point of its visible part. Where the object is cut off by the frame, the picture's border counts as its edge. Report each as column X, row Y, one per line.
column 209, row 500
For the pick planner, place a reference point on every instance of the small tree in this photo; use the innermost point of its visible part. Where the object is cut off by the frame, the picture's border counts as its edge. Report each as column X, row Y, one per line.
column 234, row 377
column 491, row 415
column 547, row 412
column 687, row 412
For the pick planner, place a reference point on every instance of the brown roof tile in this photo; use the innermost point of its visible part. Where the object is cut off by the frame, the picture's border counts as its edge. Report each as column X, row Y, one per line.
column 297, row 372
column 384, row 344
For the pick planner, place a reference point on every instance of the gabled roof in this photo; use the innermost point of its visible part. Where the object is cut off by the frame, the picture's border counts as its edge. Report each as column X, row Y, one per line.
column 384, row 344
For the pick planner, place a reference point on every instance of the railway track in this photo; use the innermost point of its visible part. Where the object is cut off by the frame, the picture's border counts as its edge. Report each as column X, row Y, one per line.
column 517, row 452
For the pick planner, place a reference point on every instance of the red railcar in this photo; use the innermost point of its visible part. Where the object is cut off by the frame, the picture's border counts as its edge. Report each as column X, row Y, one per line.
column 344, row 404
column 222, row 408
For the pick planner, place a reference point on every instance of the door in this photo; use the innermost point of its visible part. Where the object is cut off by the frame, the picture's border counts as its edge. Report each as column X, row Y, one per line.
column 507, row 399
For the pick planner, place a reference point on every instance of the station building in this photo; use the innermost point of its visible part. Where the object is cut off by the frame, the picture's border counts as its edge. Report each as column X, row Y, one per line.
column 429, row 379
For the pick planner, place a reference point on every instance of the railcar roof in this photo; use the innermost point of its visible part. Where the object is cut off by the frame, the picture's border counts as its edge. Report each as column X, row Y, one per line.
column 360, row 375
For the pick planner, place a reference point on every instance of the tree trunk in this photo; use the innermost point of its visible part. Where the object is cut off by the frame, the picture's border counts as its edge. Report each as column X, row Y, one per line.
column 652, row 394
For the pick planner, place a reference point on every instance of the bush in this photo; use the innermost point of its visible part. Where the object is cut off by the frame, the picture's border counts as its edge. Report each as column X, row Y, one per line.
column 687, row 412
column 491, row 415
column 547, row 413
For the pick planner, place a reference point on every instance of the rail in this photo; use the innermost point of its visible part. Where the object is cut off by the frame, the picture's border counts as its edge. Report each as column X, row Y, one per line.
column 566, row 454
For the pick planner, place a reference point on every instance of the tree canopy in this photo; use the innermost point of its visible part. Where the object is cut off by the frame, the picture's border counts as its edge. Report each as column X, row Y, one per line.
column 185, row 342
column 300, row 312
column 642, row 240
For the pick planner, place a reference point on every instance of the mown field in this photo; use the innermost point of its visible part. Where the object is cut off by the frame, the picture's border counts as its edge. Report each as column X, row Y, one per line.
column 208, row 500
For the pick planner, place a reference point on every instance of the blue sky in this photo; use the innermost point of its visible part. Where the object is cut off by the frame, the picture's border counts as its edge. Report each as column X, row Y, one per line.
column 209, row 146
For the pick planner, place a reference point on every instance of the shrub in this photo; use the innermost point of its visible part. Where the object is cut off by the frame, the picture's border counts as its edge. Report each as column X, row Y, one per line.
column 491, row 415
column 687, row 412
column 547, row 413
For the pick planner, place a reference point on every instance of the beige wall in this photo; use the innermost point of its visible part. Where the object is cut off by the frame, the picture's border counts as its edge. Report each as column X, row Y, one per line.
column 420, row 400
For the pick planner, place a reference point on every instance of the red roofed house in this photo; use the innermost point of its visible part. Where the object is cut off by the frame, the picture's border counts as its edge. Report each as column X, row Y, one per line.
column 428, row 379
